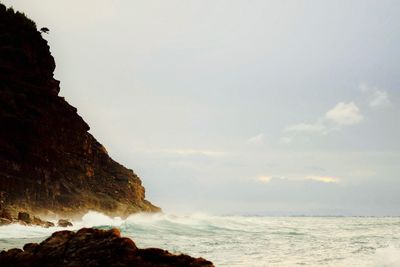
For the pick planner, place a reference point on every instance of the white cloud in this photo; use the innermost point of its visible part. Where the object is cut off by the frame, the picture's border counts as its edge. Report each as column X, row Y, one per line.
column 376, row 97
column 323, row 179
column 317, row 127
column 256, row 140
column 380, row 98
column 315, row 178
column 342, row 114
column 345, row 114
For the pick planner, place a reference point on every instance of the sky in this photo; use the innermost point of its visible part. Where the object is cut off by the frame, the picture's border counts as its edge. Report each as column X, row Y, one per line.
column 239, row 107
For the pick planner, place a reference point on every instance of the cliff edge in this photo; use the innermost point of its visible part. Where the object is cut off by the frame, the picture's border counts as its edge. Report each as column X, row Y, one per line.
column 48, row 160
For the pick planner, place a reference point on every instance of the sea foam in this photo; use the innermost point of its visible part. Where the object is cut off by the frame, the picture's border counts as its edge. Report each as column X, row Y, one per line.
column 246, row 240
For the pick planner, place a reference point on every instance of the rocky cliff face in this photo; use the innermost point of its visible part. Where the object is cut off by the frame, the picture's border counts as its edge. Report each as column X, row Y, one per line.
column 48, row 160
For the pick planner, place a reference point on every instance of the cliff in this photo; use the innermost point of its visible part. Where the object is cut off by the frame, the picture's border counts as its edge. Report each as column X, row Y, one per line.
column 91, row 247
column 49, row 162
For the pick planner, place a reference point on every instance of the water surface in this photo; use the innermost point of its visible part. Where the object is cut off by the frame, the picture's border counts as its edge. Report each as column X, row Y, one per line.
column 248, row 240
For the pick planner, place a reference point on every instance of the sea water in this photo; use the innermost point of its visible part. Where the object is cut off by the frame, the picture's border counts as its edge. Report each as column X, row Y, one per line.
column 247, row 240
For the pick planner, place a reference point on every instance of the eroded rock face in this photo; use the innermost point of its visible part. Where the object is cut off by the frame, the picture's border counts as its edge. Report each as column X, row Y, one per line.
column 91, row 247
column 48, row 160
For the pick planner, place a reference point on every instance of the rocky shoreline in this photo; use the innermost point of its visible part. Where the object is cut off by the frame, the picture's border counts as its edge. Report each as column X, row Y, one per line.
column 50, row 165
column 93, row 247
column 25, row 218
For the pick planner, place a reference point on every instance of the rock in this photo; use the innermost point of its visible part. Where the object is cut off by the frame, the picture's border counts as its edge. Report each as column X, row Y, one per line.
column 24, row 217
column 40, row 222
column 5, row 217
column 5, row 214
column 5, row 221
column 30, row 247
column 64, row 223
column 92, row 247
column 49, row 162
column 48, row 224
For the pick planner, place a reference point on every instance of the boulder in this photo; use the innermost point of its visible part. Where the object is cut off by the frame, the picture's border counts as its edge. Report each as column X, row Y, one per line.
column 5, row 221
column 5, row 214
column 93, row 247
column 48, row 224
column 24, row 217
column 64, row 223
column 40, row 222
column 5, row 217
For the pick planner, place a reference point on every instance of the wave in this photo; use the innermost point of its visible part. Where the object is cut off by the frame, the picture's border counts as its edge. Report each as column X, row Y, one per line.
column 245, row 240
column 97, row 219
column 387, row 257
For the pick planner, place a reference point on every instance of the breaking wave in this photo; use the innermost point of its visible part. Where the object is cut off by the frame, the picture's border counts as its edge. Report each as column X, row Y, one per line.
column 246, row 240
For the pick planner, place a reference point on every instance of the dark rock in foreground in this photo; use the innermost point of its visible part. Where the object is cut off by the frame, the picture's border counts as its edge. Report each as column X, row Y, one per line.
column 92, row 247
column 49, row 162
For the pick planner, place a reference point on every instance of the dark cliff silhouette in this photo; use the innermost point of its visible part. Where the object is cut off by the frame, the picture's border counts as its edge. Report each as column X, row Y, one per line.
column 48, row 160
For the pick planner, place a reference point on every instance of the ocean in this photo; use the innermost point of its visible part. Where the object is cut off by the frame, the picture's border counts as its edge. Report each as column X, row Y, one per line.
column 247, row 240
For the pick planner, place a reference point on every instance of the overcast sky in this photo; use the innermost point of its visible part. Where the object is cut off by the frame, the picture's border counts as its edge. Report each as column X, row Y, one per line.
column 239, row 107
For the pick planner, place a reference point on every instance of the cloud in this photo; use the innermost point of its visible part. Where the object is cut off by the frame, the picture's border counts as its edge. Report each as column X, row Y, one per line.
column 363, row 173
column 286, row 140
column 264, row 179
column 376, row 97
column 317, row 127
column 256, row 140
column 323, row 179
column 379, row 98
column 342, row 114
column 316, row 178
column 345, row 114
column 194, row 152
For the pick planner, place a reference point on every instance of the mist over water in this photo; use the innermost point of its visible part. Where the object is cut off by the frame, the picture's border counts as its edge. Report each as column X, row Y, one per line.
column 247, row 240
